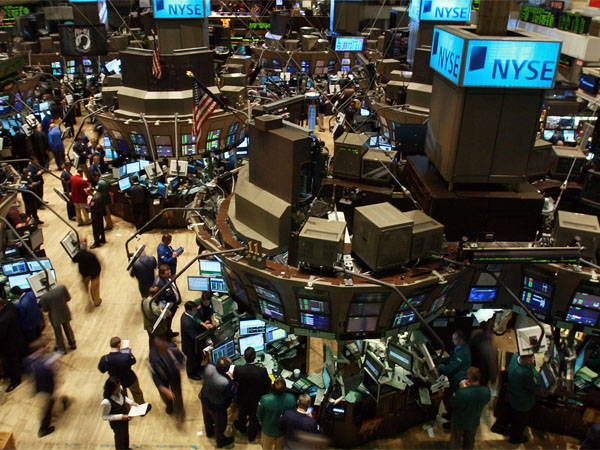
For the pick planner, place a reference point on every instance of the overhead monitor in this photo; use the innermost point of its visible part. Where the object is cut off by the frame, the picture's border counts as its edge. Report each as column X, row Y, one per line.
column 211, row 268
column 314, row 321
column 227, row 349
column 314, row 305
column 256, row 341
column 271, row 310
column 536, row 302
column 273, row 334
column 34, row 266
column 122, row 146
column 362, row 324
column 586, row 300
column 267, row 294
column 482, row 295
column 188, row 145
column 252, row 326
column 415, row 301
column 198, row 284
column 124, row 183
column 349, row 44
column 137, row 138
column 582, row 316
column 399, row 356
column 218, row 285
column 402, row 318
column 14, row 268
column 373, row 365
column 141, row 150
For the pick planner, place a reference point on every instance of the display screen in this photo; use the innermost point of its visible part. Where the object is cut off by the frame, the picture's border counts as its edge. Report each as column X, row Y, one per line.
column 210, row 268
column 266, row 294
column 313, row 305
column 569, row 136
column 399, row 356
column 537, row 286
column 275, row 334
column 227, row 349
column 373, row 365
column 198, row 283
column 439, row 302
column 256, row 341
column 113, row 66
column 14, row 268
column 108, row 153
column 34, row 266
column 535, row 302
column 415, row 301
column 582, row 316
column 122, row 145
column 20, row 281
column 252, row 326
column 137, row 138
column 132, row 168
column 586, row 300
column 477, row 295
column 162, row 140
column 218, row 285
column 314, row 321
column 440, row 10
column 181, row 9
column 124, row 184
column 349, row 44
column 362, row 324
column 271, row 310
column 305, row 66
column 164, row 151
column 214, row 134
column 446, row 54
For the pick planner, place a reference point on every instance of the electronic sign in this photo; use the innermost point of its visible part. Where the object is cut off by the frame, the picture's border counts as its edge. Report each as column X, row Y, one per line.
column 349, row 44
column 503, row 63
column 538, row 15
column 181, row 9
column 440, row 10
column 446, row 54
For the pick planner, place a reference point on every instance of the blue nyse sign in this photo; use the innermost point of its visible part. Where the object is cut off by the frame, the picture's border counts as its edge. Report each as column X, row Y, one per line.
column 440, row 10
column 523, row 64
column 447, row 54
column 181, row 9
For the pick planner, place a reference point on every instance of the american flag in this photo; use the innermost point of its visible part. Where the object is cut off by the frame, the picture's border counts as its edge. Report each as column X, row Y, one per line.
column 254, row 13
column 156, row 65
column 204, row 105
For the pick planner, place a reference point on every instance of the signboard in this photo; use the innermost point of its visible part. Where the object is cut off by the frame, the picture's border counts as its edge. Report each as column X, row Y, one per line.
column 506, row 63
column 575, row 23
column 11, row 13
column 181, row 9
column 446, row 54
column 440, row 10
column 555, row 18
column 349, row 44
column 538, row 15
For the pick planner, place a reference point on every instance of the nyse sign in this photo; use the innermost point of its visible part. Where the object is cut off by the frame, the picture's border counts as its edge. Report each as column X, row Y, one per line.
column 446, row 54
column 523, row 64
column 181, row 9
column 440, row 10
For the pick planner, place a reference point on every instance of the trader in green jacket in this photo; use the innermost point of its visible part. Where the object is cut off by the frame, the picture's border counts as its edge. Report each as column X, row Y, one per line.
column 455, row 368
column 104, row 189
column 270, row 407
column 523, row 382
column 467, row 404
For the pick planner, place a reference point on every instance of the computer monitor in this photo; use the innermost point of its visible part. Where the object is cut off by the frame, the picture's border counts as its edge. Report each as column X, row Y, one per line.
column 218, row 285
column 529, row 336
column 267, row 294
column 362, row 324
column 537, row 286
column 547, row 378
column 271, row 310
column 273, row 334
column 132, row 168
column 252, row 326
column 548, row 134
column 20, row 281
column 164, row 151
column 162, row 189
column 399, row 356
column 153, row 170
column 256, row 341
column 39, row 282
column 415, row 301
column 402, row 318
column 326, row 378
column 34, row 266
column 313, row 305
column 211, row 268
column 569, row 136
column 113, row 66
column 109, row 153
column 173, row 168
column 122, row 146
column 349, row 44
column 314, row 321
column 536, row 302
column 373, row 365
column 482, row 295
column 582, row 316
column 124, row 184
column 227, row 349
column 579, row 361
column 198, row 283
column 365, row 112
column 586, row 300
column 14, row 268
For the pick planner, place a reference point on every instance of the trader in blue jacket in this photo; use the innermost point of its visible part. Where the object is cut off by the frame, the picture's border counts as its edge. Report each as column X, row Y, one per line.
column 166, row 254
column 455, row 368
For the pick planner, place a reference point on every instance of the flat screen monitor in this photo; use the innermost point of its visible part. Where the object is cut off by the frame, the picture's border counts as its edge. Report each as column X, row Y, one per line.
column 132, row 168
column 305, row 66
column 178, row 168
column 34, row 266
column 137, row 138
column 536, row 302
column 349, row 44
column 44, row 106
column 252, row 326
column 20, row 281
column 266, row 294
column 141, row 150
column 273, row 334
column 14, row 268
column 256, row 341
column 582, row 316
column 326, row 378
column 586, row 300
column 40, row 283
column 373, row 365
column 482, row 295
column 314, row 321
column 547, row 378
column 548, row 134
column 569, row 136
column 227, row 349
column 364, row 112
column 415, row 301
column 439, row 302
column 113, row 66
column 579, row 361
column 218, row 285
column 313, row 305
column 399, row 356
column 198, row 283
column 537, row 286
column 362, row 324
column 271, row 310
column 124, row 184
column 122, row 146
column 402, row 318
column 211, row 268
column 161, row 189
column 122, row 171
column 188, row 144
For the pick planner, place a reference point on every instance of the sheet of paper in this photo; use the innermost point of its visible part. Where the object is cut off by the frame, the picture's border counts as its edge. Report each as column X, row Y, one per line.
column 288, row 383
column 139, row 410
column 316, row 379
column 319, row 396
column 424, row 396
column 351, row 397
column 286, row 373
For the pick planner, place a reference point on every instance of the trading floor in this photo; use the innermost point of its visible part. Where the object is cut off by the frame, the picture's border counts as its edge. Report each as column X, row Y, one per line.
column 81, row 425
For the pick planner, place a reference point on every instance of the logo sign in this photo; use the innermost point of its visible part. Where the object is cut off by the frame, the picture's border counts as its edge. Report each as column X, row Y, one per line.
column 446, row 54
column 181, row 9
column 523, row 64
column 440, row 10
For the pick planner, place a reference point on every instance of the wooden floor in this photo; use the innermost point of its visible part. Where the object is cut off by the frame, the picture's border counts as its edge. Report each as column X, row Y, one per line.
column 81, row 426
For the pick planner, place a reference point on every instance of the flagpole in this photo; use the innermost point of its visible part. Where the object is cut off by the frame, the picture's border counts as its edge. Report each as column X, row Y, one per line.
column 177, row 142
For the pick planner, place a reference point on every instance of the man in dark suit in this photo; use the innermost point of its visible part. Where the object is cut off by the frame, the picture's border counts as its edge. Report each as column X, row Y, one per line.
column 217, row 392
column 143, row 270
column 12, row 343
column 139, row 197
column 39, row 143
column 97, row 211
column 253, row 382
column 298, row 420
column 65, row 178
column 166, row 254
column 118, row 364
column 169, row 295
column 190, row 330
column 55, row 302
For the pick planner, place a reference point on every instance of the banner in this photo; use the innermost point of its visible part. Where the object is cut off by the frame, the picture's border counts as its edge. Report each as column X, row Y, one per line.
column 83, row 40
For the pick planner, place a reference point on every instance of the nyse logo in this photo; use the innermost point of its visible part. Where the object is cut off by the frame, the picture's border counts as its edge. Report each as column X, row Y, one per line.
column 513, row 69
column 446, row 13
column 447, row 60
